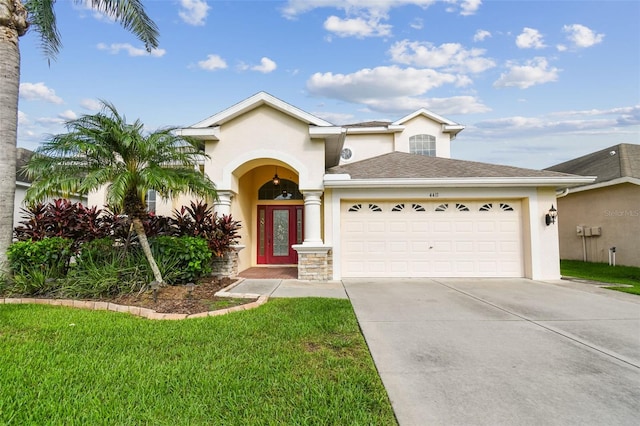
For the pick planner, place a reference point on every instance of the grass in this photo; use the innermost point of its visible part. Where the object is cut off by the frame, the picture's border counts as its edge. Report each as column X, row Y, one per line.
column 603, row 272
column 291, row 361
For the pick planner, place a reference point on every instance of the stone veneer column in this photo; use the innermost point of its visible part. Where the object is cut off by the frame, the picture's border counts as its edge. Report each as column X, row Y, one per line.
column 314, row 258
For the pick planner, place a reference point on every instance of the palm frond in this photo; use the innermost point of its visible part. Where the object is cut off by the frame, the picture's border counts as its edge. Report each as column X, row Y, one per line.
column 132, row 16
column 42, row 19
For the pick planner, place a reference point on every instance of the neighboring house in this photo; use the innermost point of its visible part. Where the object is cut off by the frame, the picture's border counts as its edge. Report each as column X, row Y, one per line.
column 596, row 217
column 23, row 183
column 376, row 199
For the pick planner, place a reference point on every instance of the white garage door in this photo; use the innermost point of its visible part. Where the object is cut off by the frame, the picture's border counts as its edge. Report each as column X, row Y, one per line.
column 431, row 239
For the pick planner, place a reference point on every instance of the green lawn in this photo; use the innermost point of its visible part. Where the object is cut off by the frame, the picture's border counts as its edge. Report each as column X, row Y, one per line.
column 291, row 361
column 605, row 273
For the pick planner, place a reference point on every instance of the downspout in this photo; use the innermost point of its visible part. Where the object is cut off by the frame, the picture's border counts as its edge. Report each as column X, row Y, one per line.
column 562, row 193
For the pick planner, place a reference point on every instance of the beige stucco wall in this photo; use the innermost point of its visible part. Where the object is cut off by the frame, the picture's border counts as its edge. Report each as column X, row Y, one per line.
column 367, row 146
column 422, row 125
column 616, row 210
column 268, row 135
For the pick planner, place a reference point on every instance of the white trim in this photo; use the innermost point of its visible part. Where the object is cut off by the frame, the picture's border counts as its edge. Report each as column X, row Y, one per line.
column 618, row 181
column 261, row 98
column 428, row 114
column 377, row 129
column 205, row 133
column 323, row 132
column 340, row 181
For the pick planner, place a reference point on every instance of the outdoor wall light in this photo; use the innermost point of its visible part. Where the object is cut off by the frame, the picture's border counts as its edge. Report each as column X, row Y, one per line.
column 550, row 217
column 276, row 179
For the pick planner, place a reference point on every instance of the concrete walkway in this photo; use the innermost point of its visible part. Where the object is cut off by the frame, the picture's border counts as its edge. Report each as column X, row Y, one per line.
column 502, row 351
column 289, row 288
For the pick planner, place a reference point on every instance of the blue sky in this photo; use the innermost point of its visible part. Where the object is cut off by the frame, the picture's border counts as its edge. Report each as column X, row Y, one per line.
column 534, row 82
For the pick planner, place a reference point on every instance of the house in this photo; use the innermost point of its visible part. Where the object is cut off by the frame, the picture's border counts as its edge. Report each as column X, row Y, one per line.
column 596, row 217
column 376, row 199
column 23, row 182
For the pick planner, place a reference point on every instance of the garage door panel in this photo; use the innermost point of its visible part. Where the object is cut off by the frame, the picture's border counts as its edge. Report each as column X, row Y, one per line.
column 396, row 239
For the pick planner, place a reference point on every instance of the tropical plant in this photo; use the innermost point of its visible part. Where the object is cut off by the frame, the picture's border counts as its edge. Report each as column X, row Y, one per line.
column 103, row 150
column 16, row 17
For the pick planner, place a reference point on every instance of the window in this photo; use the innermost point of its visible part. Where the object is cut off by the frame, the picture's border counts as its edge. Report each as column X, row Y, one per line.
column 151, row 201
column 285, row 190
column 423, row 145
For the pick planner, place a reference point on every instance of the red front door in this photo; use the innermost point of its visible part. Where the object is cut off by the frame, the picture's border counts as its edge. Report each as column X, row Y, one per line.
column 279, row 227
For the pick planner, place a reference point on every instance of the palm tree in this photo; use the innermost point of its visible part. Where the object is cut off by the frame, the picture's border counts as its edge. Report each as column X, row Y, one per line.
column 16, row 17
column 102, row 149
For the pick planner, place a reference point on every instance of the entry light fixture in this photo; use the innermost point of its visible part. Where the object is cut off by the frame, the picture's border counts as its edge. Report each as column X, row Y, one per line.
column 551, row 216
column 276, row 179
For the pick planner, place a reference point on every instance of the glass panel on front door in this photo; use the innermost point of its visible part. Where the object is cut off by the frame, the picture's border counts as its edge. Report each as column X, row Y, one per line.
column 281, row 232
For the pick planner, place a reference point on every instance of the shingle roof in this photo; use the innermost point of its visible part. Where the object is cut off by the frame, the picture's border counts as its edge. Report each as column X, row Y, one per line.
column 22, row 158
column 401, row 165
column 622, row 160
column 369, row 124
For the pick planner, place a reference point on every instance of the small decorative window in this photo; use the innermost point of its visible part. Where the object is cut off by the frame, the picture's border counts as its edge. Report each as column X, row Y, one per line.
column 398, row 208
column 285, row 190
column 355, row 208
column 442, row 207
column 417, row 208
column 423, row 145
column 506, row 207
column 486, row 207
column 374, row 208
column 462, row 207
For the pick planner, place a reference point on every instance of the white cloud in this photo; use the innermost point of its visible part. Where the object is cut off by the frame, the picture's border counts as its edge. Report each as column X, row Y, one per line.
column 581, row 36
column 530, row 39
column 417, row 24
column 68, row 115
column 115, row 48
column 444, row 106
column 469, row 7
column 605, row 122
column 356, row 27
column 561, row 47
column 378, row 82
column 392, row 89
column 23, row 120
column 194, row 12
column 335, row 117
column 266, row 66
column 366, row 18
column 448, row 56
column 39, row 92
column 212, row 63
column 535, row 71
column 481, row 35
column 91, row 104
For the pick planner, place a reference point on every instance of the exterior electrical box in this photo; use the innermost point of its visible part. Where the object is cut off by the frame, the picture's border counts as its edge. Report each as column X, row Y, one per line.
column 596, row 231
column 587, row 232
column 579, row 231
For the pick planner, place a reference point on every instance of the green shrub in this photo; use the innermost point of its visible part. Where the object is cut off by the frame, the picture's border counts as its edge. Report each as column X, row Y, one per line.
column 51, row 255
column 181, row 259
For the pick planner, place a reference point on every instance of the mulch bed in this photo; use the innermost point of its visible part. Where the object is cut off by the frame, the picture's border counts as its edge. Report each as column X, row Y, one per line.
column 177, row 300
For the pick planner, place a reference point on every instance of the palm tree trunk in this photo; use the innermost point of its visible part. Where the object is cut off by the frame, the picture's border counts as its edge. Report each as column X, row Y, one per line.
column 142, row 238
column 12, row 25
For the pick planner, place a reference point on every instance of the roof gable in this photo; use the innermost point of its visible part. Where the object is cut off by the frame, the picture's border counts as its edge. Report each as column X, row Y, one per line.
column 255, row 101
column 618, row 161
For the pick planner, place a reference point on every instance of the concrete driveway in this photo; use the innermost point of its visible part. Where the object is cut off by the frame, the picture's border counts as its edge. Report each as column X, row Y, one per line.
column 502, row 351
